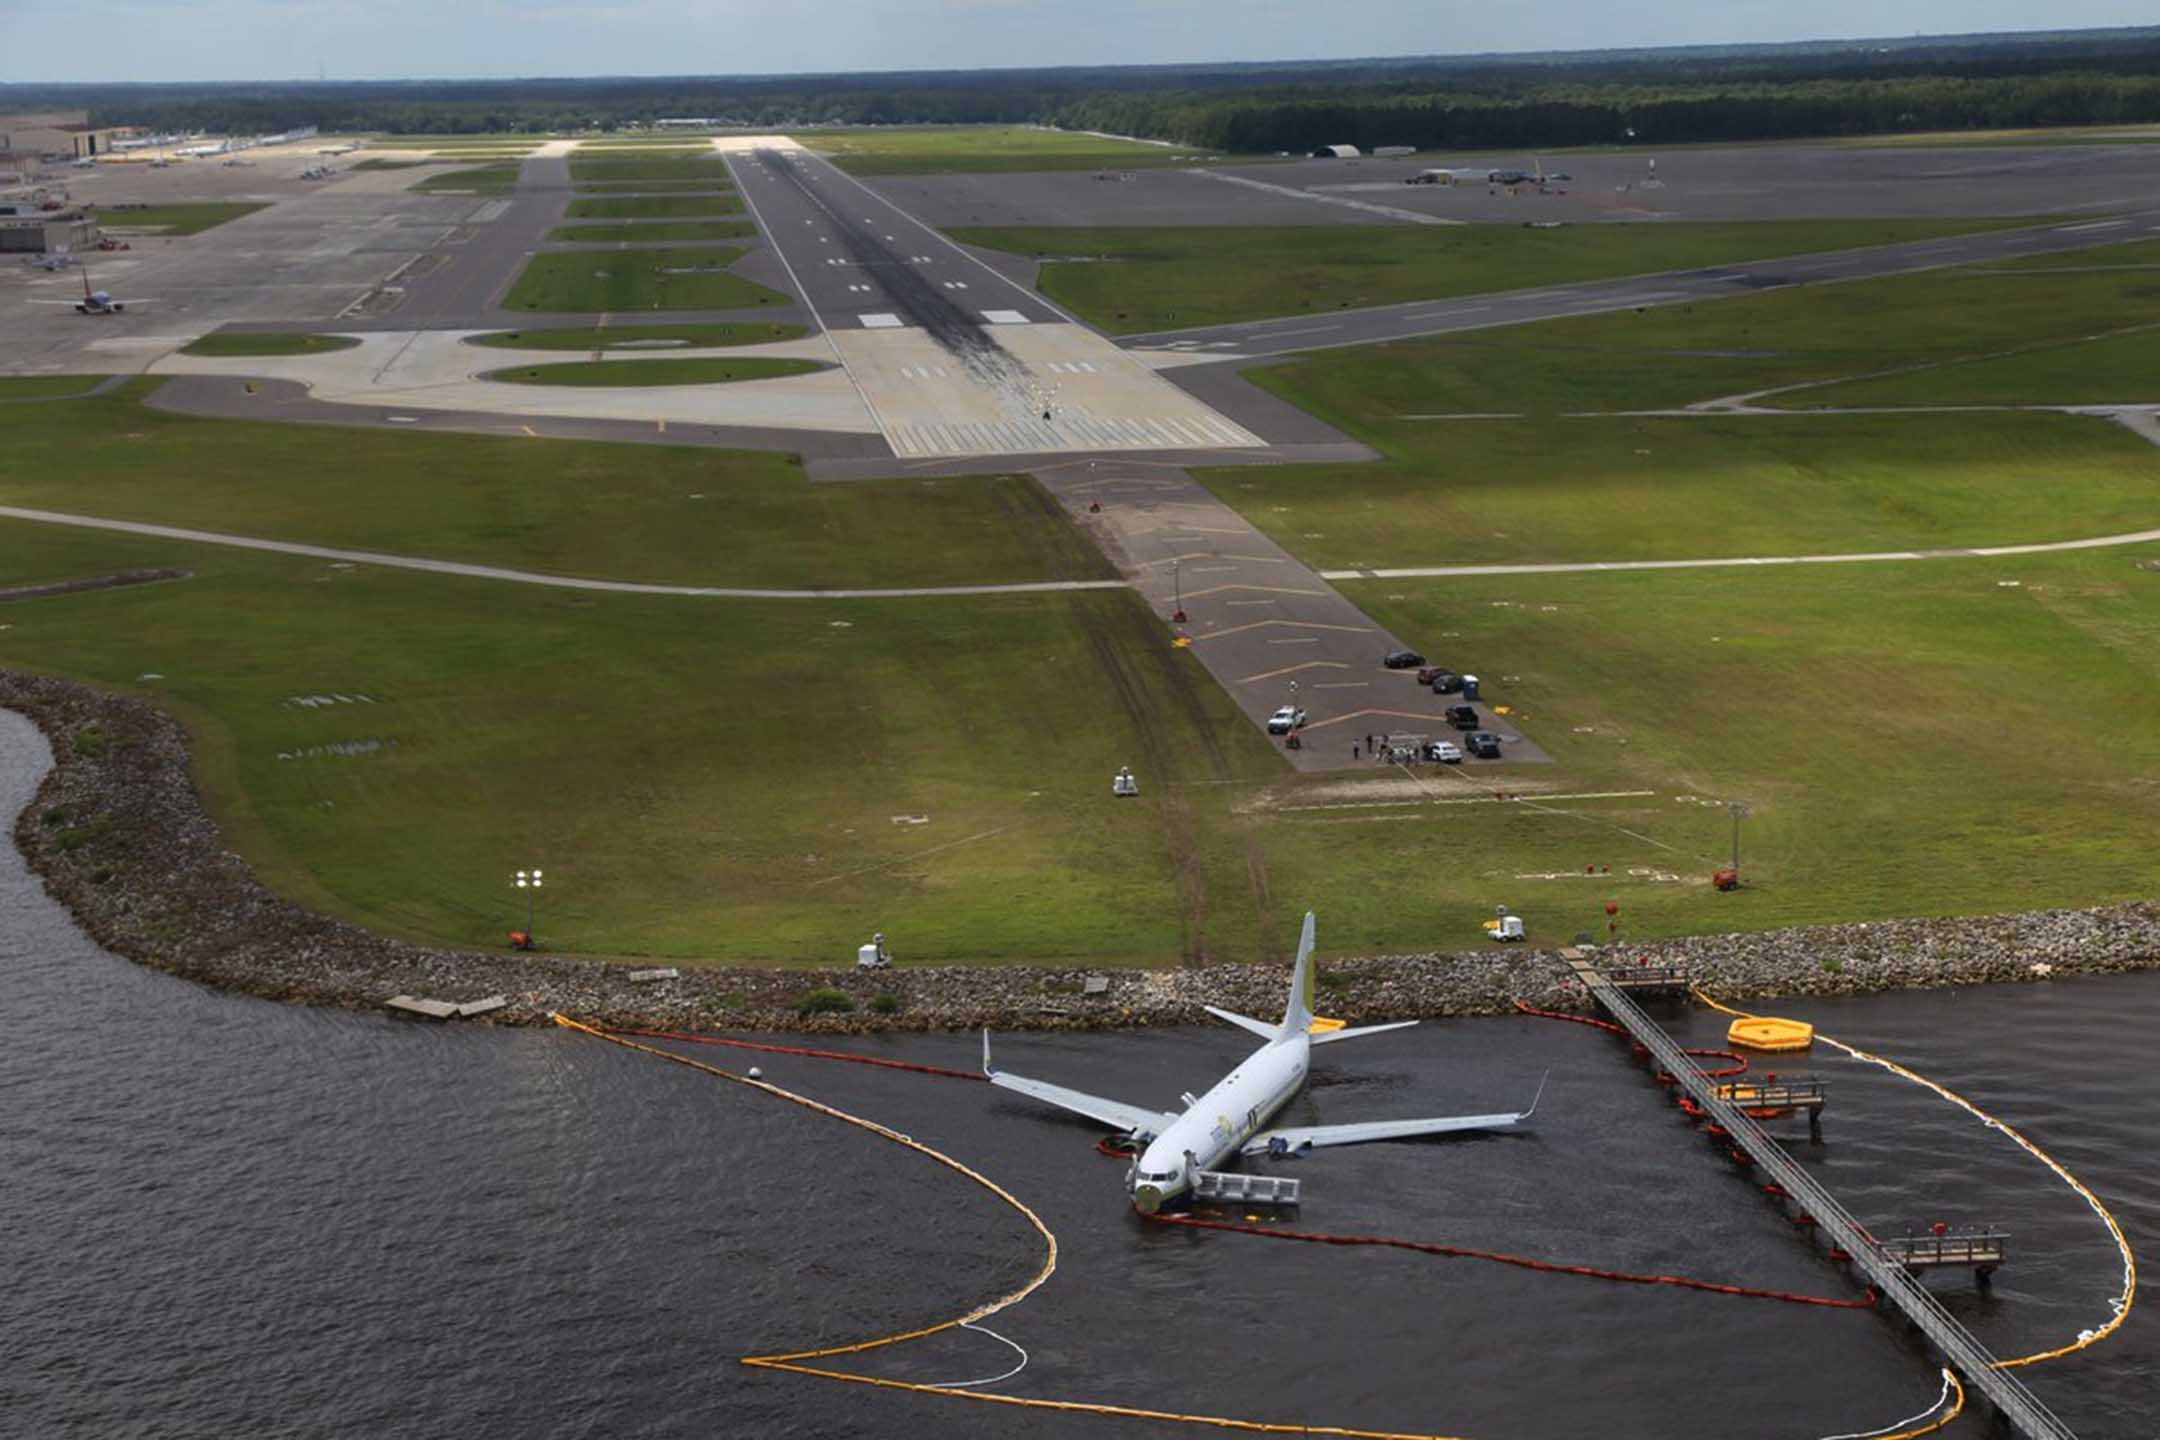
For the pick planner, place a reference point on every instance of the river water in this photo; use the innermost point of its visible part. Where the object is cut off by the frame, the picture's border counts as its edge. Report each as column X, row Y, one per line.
column 225, row 1217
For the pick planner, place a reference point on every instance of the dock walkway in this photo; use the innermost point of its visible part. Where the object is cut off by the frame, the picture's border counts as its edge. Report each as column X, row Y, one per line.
column 2012, row 1402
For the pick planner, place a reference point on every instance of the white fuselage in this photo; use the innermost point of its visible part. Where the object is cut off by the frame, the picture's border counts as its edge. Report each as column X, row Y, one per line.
column 1214, row 1126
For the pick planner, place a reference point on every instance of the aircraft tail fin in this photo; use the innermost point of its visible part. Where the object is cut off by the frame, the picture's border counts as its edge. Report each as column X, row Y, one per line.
column 1298, row 1014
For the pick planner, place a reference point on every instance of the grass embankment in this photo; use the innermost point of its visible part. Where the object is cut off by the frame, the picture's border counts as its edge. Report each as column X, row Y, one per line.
column 1129, row 280
column 651, row 231
column 654, row 207
column 657, row 371
column 612, row 337
column 486, row 180
column 677, row 514
column 243, row 343
column 702, row 779
column 936, row 149
column 674, row 279
column 175, row 219
column 390, row 164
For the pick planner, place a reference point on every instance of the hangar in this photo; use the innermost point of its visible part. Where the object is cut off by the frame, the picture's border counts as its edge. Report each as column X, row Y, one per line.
column 1336, row 152
column 64, row 134
column 35, row 220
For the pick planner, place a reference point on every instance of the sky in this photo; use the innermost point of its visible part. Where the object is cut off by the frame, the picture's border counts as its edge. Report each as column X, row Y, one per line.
column 135, row 40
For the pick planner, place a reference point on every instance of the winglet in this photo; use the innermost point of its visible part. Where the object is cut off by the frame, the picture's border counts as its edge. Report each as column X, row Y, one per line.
column 1298, row 1014
column 987, row 1071
column 1524, row 1116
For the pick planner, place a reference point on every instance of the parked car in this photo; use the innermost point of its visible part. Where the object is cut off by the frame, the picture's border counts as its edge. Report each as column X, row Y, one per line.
column 1285, row 720
column 1483, row 744
column 1463, row 717
column 1402, row 660
column 1443, row 680
column 1446, row 752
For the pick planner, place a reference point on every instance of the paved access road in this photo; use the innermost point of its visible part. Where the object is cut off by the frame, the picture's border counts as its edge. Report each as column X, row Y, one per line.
column 1269, row 630
column 1293, row 334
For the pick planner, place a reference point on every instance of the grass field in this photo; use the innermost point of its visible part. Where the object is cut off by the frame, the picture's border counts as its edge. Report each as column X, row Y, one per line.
column 719, row 779
column 718, row 183
column 1130, row 280
column 46, row 387
column 930, row 150
column 243, row 343
column 675, row 279
column 704, row 166
column 485, row 180
column 606, row 338
column 655, row 371
column 678, row 514
column 1494, row 492
column 700, row 779
column 654, row 207
column 1917, row 738
column 390, row 164
column 1671, row 356
column 1556, row 484
column 649, row 231
column 176, row 219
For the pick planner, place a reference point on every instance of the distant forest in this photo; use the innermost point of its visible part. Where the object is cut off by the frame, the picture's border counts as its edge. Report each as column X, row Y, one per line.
column 1763, row 92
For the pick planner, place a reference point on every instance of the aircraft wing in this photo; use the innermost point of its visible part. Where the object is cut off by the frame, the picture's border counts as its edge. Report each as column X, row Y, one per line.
column 1319, row 1136
column 1143, row 1123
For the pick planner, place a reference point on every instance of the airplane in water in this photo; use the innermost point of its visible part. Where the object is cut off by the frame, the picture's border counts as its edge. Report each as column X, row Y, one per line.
column 1232, row 1118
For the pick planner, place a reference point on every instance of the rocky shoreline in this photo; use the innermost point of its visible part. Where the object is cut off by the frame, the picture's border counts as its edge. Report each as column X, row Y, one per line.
column 121, row 838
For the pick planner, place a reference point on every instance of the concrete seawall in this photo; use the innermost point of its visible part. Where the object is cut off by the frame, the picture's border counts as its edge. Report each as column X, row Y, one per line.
column 120, row 836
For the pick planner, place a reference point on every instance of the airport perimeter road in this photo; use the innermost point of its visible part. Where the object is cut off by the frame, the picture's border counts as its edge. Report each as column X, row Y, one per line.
column 950, row 357
column 1292, row 334
column 1269, row 630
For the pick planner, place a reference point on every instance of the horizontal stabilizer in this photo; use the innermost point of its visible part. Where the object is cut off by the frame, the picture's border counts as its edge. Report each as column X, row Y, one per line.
column 1244, row 1022
column 1329, row 1037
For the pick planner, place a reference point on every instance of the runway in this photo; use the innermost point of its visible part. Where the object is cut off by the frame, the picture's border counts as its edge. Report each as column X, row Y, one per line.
column 950, row 357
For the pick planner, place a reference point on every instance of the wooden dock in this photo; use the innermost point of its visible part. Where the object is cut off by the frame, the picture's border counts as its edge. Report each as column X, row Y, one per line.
column 2016, row 1406
column 1982, row 1251
column 1767, row 1098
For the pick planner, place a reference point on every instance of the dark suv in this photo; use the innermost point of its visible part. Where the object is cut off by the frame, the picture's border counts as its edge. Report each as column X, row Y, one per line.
column 1463, row 717
column 1483, row 744
column 1443, row 680
column 1402, row 660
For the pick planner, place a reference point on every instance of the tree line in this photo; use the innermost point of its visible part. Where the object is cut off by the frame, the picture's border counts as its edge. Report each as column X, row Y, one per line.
column 1515, row 101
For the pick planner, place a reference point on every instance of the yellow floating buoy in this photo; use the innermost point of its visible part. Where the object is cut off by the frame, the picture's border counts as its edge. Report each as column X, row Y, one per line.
column 1768, row 1032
